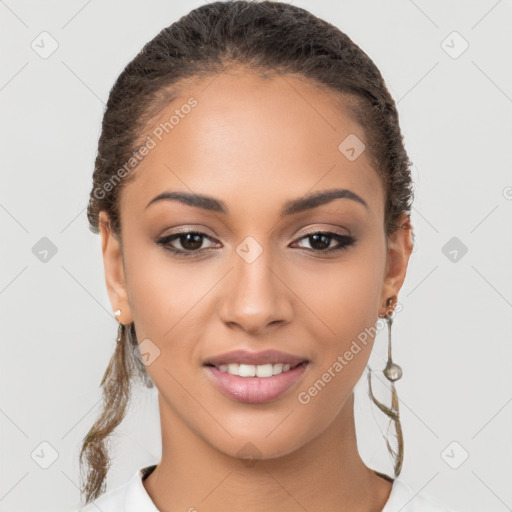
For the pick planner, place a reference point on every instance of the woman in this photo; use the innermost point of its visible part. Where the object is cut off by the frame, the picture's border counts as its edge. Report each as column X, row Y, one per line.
column 253, row 197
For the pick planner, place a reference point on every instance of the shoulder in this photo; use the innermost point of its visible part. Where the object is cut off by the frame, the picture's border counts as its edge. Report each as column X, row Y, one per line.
column 404, row 498
column 129, row 497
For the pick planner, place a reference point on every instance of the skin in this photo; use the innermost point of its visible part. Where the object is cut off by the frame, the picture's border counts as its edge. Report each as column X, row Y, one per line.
column 256, row 143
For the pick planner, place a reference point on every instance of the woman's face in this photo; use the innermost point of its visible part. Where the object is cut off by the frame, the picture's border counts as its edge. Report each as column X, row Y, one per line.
column 255, row 278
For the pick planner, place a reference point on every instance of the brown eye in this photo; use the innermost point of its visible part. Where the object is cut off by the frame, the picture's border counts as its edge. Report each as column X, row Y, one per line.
column 190, row 242
column 320, row 241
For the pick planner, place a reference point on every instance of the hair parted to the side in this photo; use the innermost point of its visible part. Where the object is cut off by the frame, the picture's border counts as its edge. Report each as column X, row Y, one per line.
column 268, row 37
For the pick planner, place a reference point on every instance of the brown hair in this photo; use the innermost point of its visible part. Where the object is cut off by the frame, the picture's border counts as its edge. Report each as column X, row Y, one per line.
column 267, row 37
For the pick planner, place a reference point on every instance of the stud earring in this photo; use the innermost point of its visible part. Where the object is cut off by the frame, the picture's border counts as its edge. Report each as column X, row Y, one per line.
column 117, row 313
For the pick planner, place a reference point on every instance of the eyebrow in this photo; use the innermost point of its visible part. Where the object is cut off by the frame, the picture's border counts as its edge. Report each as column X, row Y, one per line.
column 291, row 207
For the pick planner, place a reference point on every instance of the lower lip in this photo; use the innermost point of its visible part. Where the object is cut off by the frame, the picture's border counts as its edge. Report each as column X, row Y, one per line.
column 255, row 390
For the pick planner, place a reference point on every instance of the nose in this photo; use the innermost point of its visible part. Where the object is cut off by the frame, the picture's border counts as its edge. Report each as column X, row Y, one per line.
column 256, row 298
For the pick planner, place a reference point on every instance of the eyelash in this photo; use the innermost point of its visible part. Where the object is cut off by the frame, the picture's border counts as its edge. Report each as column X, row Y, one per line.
column 344, row 241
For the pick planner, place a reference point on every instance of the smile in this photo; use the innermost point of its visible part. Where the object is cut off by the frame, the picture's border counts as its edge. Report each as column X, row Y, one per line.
column 251, row 370
column 253, row 384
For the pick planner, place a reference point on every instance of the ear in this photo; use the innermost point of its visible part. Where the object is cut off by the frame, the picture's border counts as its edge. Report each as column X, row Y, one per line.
column 400, row 246
column 114, row 270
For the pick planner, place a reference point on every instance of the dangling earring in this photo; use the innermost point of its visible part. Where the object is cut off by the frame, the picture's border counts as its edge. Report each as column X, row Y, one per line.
column 117, row 314
column 119, row 332
column 392, row 372
column 133, row 343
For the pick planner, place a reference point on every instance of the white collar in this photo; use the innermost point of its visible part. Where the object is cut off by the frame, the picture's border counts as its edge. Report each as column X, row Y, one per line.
column 133, row 497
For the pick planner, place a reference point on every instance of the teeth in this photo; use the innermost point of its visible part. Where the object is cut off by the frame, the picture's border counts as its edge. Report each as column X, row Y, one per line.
column 251, row 370
column 246, row 370
column 277, row 368
column 264, row 370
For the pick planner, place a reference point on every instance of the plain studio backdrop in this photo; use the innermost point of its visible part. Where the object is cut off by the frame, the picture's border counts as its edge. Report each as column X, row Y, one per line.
column 448, row 67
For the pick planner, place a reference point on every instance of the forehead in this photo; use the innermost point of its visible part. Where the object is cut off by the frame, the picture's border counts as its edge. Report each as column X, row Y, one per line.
column 260, row 139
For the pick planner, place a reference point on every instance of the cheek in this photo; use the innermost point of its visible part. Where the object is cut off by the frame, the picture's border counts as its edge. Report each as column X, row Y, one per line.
column 341, row 315
column 341, row 299
column 170, row 308
column 161, row 291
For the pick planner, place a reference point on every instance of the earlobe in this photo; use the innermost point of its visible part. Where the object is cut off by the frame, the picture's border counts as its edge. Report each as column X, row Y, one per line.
column 114, row 270
column 400, row 245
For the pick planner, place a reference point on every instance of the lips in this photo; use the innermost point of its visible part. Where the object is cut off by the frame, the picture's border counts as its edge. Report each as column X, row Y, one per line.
column 255, row 358
column 255, row 390
column 263, row 387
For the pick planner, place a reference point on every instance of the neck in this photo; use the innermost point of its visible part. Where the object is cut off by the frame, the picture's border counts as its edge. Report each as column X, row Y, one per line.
column 327, row 473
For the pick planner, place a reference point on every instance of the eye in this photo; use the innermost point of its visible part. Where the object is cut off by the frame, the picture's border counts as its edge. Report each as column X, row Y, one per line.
column 190, row 241
column 320, row 241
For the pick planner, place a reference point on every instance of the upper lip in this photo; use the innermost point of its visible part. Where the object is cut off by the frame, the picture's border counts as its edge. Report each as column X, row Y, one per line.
column 255, row 358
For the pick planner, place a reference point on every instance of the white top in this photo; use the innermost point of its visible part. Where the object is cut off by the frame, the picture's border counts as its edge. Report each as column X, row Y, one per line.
column 133, row 497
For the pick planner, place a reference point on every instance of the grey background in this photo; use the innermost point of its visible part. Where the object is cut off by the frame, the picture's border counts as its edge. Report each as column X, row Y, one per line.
column 452, row 337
